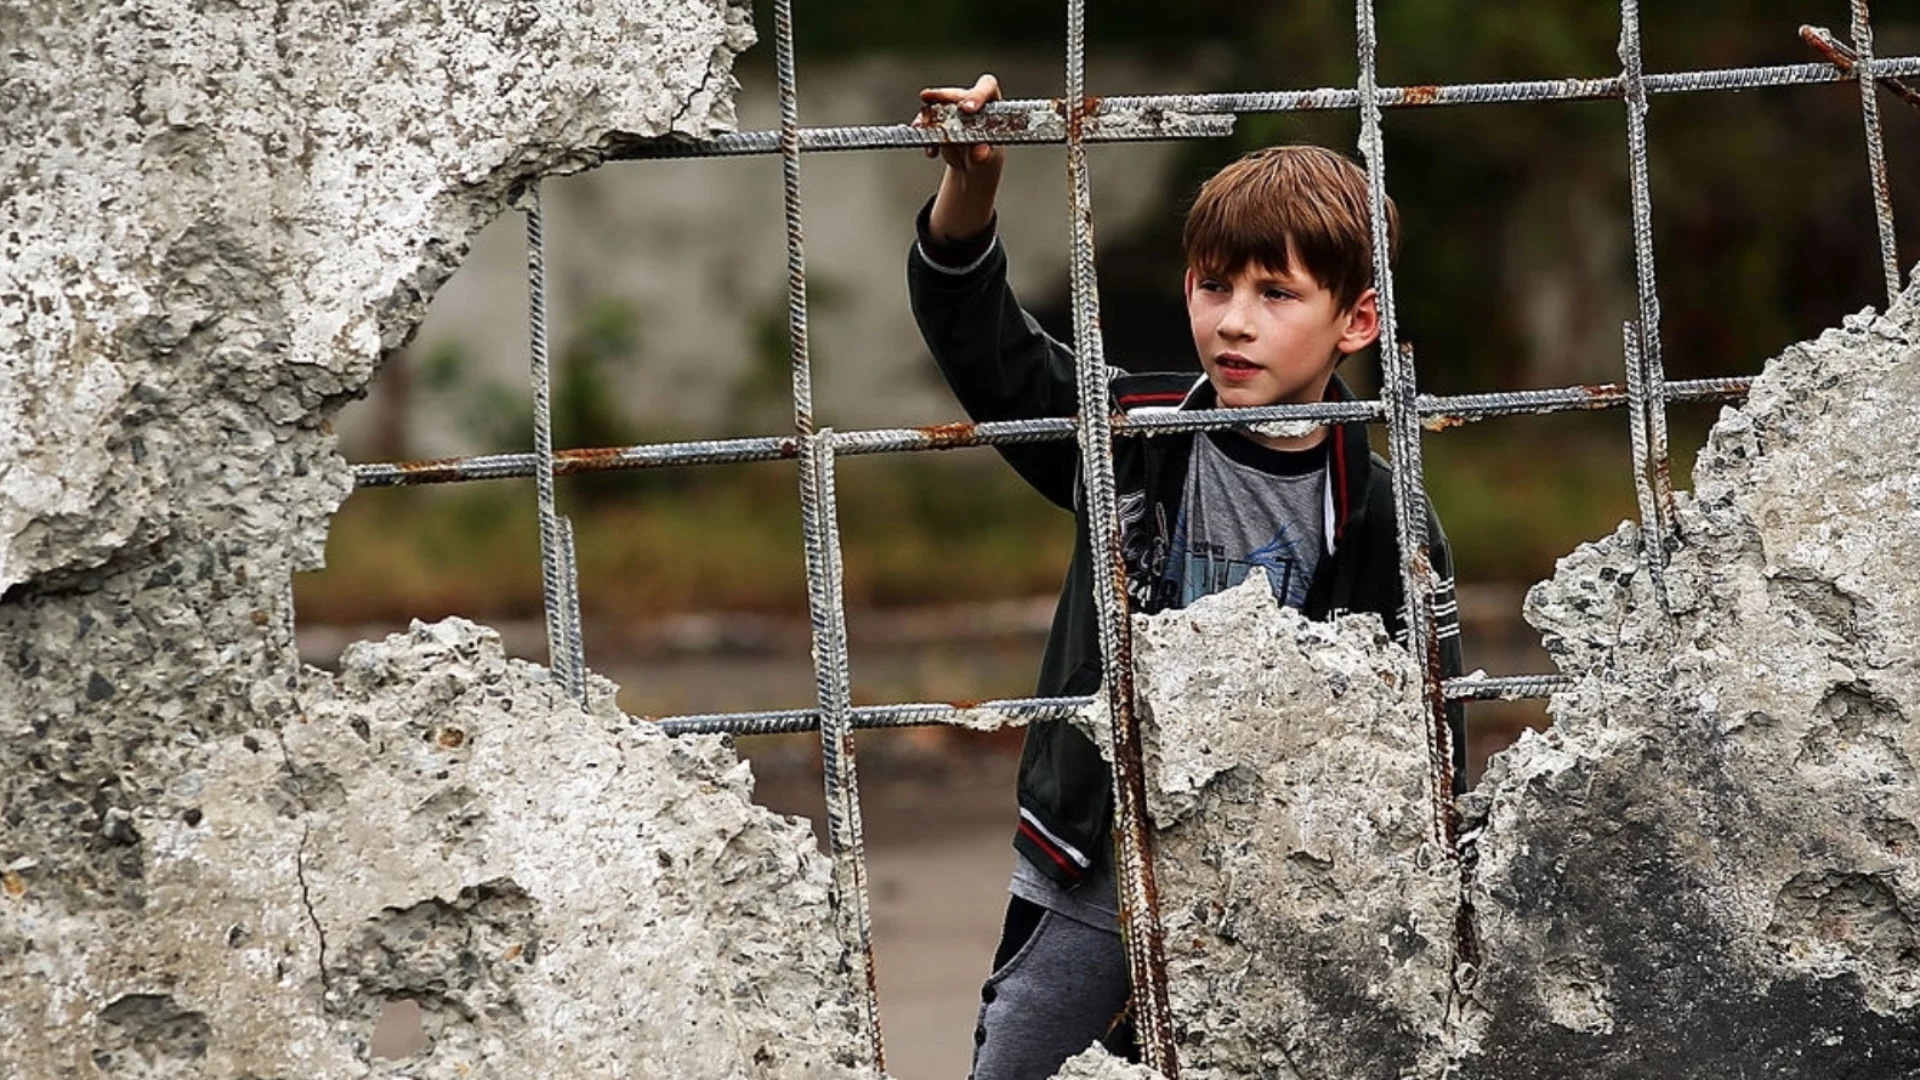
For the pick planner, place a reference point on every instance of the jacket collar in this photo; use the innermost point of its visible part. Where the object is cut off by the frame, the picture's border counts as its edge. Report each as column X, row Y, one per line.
column 1349, row 459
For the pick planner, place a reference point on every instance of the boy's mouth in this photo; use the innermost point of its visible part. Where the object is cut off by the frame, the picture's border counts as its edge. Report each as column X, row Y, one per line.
column 1236, row 367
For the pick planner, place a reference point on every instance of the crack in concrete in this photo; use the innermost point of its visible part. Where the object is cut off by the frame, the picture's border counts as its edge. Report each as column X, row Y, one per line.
column 313, row 917
column 686, row 107
column 300, row 861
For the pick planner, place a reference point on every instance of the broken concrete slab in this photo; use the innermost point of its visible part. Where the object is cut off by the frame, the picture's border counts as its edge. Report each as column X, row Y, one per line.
column 1095, row 1063
column 1708, row 867
column 561, row 891
column 215, row 863
column 1308, row 905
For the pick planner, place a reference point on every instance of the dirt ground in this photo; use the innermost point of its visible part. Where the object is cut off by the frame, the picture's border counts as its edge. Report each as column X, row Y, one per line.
column 939, row 854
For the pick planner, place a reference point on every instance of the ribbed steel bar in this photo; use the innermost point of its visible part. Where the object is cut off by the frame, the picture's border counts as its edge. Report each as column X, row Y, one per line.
column 1138, row 896
column 575, row 634
column 1436, row 412
column 975, row 716
column 826, row 604
column 1133, row 117
column 1653, row 467
column 1640, row 441
column 1013, row 712
column 1876, row 148
column 1400, row 394
column 559, row 587
column 1505, row 687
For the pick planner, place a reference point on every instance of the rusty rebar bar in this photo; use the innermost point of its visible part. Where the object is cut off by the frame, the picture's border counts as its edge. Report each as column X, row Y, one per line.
column 1137, row 895
column 826, row 601
column 1145, row 117
column 1438, row 413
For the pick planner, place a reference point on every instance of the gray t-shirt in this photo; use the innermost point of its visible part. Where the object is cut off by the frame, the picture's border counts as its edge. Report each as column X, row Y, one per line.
column 1247, row 506
column 1244, row 506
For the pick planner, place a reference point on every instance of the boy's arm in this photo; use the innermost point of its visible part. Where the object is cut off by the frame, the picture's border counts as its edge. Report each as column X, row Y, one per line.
column 1001, row 365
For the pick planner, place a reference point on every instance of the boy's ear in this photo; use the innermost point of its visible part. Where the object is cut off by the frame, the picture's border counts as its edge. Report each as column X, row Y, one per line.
column 1363, row 324
column 1186, row 285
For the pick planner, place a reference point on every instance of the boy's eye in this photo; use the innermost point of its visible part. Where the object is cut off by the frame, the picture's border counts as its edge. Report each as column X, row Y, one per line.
column 1279, row 294
column 1210, row 285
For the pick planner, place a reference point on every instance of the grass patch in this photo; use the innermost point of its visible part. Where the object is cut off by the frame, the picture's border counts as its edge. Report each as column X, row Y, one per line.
column 929, row 529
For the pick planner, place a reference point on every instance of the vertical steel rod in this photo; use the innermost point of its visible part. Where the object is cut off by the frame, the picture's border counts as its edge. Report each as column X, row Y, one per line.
column 1133, row 848
column 1876, row 148
column 825, row 594
column 570, row 572
column 1640, row 431
column 1652, row 464
column 559, row 587
column 1400, row 393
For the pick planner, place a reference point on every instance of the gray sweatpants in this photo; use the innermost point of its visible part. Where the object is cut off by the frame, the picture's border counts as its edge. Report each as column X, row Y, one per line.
column 1051, row 999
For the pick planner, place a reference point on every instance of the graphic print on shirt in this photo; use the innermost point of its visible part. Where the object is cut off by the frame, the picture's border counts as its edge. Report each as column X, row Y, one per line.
column 1145, row 553
column 1202, row 569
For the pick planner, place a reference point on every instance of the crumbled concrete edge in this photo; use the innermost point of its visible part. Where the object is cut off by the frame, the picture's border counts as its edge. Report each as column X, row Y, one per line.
column 200, row 268
column 1094, row 1063
column 560, row 891
column 1710, row 860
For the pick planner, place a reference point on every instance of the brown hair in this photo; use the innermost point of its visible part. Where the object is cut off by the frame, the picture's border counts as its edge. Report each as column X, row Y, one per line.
column 1306, row 200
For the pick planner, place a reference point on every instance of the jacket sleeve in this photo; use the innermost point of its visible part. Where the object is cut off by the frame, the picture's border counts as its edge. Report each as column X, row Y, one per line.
column 1446, row 627
column 998, row 361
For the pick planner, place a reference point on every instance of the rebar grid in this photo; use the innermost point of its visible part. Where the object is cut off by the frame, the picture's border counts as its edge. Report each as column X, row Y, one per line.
column 1077, row 119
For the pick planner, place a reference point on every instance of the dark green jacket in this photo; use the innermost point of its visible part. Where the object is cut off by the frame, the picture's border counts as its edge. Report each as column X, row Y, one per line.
column 1002, row 366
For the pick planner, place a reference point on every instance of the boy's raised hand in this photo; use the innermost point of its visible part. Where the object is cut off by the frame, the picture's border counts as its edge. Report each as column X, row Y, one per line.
column 964, row 205
column 969, row 99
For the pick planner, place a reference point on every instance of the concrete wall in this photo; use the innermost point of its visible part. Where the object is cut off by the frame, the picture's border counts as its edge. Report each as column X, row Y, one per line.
column 217, row 863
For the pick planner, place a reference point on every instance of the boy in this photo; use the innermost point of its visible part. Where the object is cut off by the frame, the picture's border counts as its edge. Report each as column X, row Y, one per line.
column 1278, row 292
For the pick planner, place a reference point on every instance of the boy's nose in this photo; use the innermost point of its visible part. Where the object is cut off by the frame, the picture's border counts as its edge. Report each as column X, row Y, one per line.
column 1235, row 321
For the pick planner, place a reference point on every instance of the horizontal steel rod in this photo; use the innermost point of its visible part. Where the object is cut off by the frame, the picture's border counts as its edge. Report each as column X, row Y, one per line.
column 1180, row 116
column 981, row 715
column 1436, row 412
column 1013, row 712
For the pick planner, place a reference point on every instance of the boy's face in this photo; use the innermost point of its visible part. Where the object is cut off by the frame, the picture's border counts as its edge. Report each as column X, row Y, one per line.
column 1269, row 338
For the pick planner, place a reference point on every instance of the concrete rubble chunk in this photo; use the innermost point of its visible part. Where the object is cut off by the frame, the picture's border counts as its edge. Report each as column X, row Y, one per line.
column 213, row 862
column 1301, row 885
column 1710, row 862
column 560, row 892
column 196, row 269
